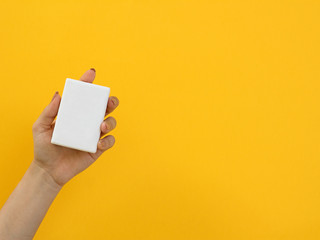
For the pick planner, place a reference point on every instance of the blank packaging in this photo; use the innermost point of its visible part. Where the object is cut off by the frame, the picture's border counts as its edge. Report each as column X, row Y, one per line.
column 81, row 112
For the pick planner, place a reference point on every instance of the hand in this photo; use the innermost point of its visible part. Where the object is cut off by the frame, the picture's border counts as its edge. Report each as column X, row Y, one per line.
column 63, row 163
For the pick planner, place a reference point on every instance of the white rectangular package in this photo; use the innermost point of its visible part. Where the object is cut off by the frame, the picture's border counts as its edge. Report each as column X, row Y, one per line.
column 81, row 112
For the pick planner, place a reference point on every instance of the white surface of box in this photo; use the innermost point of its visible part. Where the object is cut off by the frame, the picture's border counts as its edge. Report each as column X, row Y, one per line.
column 81, row 112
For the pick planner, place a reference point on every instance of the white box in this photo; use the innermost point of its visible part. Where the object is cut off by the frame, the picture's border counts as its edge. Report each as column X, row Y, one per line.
column 81, row 112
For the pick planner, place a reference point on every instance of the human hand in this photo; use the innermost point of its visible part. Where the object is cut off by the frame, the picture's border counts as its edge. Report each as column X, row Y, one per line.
column 63, row 163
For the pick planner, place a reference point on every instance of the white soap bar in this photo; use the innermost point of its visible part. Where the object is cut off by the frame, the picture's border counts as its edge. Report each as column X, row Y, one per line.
column 81, row 112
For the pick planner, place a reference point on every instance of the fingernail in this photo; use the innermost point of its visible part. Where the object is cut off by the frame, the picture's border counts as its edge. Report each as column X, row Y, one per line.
column 54, row 96
column 107, row 127
column 114, row 101
column 93, row 69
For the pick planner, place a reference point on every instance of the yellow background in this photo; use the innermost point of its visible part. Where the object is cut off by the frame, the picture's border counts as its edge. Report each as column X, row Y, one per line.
column 218, row 126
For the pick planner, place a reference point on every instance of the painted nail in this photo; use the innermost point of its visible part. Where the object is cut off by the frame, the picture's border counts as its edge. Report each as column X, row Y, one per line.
column 54, row 96
column 93, row 69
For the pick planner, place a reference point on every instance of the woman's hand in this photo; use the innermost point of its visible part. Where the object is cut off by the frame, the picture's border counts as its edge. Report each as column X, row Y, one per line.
column 51, row 168
column 63, row 163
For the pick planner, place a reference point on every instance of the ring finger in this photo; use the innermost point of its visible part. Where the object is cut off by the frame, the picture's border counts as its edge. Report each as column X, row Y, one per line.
column 107, row 125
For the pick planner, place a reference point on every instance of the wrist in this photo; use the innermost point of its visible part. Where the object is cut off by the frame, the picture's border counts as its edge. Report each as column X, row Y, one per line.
column 40, row 173
column 27, row 205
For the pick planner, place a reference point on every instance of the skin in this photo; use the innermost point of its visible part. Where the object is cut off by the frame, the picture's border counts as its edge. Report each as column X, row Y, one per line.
column 52, row 167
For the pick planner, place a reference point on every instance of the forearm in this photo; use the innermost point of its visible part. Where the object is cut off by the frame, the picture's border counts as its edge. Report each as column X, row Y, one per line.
column 26, row 207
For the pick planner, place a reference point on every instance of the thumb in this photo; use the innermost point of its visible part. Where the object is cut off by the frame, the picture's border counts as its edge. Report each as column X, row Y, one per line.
column 50, row 112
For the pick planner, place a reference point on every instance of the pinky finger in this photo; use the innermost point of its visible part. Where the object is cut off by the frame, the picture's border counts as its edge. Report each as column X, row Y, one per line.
column 103, row 145
column 106, row 142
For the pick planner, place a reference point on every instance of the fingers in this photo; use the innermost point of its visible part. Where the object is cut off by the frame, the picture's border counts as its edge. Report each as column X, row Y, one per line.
column 106, row 142
column 113, row 103
column 103, row 145
column 88, row 76
column 108, row 125
column 49, row 113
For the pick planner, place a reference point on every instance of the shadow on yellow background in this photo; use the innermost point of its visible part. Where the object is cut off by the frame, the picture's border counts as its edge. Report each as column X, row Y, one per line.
column 218, row 126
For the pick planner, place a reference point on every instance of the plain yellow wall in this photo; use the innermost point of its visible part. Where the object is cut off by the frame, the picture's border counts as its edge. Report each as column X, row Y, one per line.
column 218, row 126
